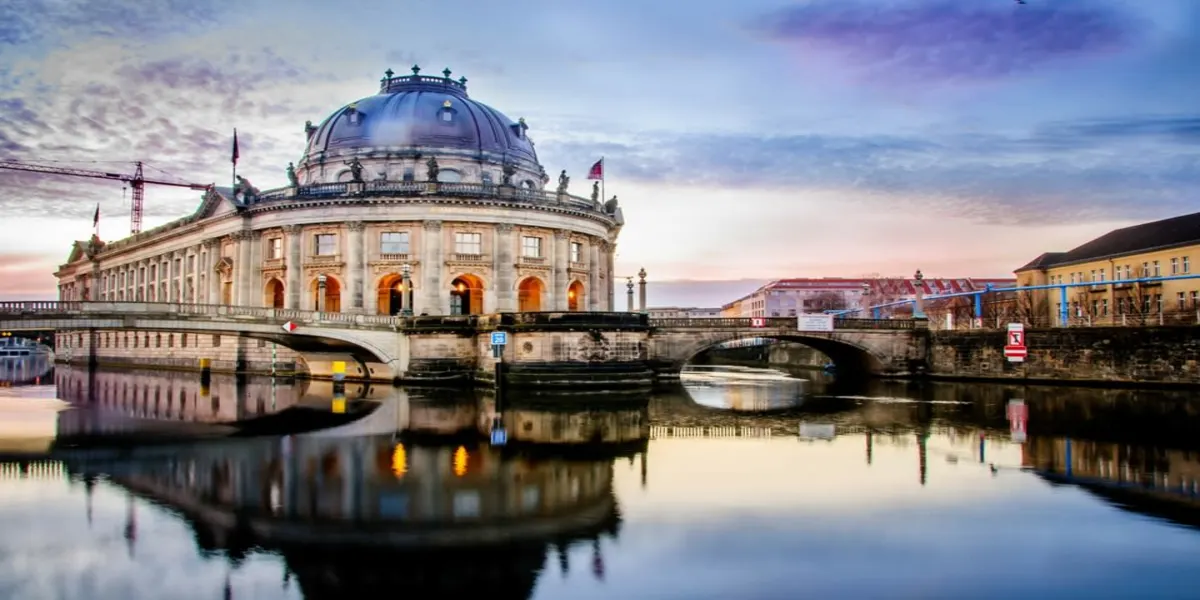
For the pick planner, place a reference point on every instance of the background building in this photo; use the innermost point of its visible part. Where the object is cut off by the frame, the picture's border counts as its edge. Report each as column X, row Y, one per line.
column 790, row 297
column 1114, row 261
column 675, row 312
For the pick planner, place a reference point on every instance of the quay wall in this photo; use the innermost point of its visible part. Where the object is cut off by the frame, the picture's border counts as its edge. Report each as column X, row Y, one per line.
column 1104, row 355
column 176, row 351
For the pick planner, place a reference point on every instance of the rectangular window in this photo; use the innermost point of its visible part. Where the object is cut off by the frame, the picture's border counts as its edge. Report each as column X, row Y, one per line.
column 1103, row 275
column 1195, row 299
column 325, row 244
column 576, row 252
column 1158, row 305
column 408, row 176
column 1157, row 270
column 468, row 243
column 1145, row 269
column 1182, row 297
column 393, row 242
column 1187, row 265
column 1174, row 266
column 1104, row 307
column 1093, row 276
column 531, row 246
column 276, row 248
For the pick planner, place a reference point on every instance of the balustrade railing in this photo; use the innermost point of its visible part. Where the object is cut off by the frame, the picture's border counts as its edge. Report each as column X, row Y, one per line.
column 428, row 188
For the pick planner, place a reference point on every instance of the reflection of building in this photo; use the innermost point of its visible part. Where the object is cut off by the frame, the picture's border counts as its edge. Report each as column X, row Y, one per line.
column 128, row 401
column 1155, row 249
column 416, row 198
column 362, row 517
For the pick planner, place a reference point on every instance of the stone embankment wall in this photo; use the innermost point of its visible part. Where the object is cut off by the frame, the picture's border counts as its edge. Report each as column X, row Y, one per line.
column 1132, row 355
column 173, row 350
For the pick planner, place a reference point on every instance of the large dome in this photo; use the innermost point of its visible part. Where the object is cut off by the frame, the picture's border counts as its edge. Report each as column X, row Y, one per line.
column 422, row 111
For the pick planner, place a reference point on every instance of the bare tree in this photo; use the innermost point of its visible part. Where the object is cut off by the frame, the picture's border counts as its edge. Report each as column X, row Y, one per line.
column 826, row 301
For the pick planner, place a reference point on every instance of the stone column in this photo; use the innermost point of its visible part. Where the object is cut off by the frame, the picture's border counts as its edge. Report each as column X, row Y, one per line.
column 562, row 255
column 242, row 269
column 177, row 275
column 612, row 277
column 354, row 266
column 593, row 291
column 642, row 290
column 431, row 270
column 255, row 275
column 292, row 287
column 212, row 281
column 505, row 270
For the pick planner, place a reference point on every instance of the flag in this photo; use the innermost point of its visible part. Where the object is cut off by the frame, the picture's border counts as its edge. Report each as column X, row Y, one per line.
column 235, row 146
column 96, row 217
column 597, row 171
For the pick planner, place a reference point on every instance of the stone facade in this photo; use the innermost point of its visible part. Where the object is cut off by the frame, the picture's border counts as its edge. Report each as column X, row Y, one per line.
column 1142, row 355
column 228, row 353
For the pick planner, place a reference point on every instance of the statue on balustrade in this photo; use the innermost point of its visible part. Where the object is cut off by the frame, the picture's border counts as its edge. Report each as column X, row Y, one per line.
column 356, row 170
column 563, row 182
column 309, row 129
column 291, row 175
column 506, row 174
column 432, row 169
column 596, row 192
column 244, row 189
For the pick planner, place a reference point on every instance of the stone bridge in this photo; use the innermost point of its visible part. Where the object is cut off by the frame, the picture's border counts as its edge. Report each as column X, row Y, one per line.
column 864, row 346
column 544, row 349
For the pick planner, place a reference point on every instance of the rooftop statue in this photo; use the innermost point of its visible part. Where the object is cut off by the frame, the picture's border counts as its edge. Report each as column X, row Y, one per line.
column 563, row 182
column 356, row 170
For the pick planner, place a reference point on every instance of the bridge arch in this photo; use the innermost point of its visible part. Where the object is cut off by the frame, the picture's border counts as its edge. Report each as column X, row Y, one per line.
column 848, row 356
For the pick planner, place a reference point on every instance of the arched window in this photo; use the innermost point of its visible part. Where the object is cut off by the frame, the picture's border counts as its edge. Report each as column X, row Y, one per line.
column 449, row 176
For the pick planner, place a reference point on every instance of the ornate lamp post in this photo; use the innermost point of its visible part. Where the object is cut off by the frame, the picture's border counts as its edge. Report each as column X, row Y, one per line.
column 865, row 302
column 918, row 306
column 406, row 281
column 629, row 292
column 642, row 290
column 321, row 279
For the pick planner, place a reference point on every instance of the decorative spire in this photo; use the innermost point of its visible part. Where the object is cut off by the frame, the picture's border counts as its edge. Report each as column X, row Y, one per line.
column 388, row 73
column 446, row 72
column 416, row 69
column 463, row 81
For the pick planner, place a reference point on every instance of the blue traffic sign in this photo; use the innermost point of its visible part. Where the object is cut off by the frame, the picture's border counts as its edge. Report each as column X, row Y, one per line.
column 499, row 338
column 499, row 437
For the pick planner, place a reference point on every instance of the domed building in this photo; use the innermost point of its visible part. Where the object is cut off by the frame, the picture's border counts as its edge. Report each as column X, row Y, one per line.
column 416, row 200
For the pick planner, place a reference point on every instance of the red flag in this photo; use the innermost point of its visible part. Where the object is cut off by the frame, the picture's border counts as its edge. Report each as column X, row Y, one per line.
column 597, row 171
column 235, row 146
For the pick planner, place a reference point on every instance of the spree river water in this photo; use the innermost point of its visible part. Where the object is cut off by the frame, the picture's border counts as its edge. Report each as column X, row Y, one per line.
column 736, row 486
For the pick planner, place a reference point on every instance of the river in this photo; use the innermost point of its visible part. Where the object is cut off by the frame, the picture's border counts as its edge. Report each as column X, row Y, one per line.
column 735, row 485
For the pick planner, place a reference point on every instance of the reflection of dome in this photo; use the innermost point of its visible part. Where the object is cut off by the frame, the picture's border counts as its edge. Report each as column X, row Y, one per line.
column 418, row 110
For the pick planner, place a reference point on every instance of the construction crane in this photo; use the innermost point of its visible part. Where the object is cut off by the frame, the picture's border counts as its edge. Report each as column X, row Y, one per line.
column 137, row 182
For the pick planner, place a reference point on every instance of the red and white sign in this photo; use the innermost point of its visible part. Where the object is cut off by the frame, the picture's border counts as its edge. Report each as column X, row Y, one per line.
column 1015, row 350
column 290, row 326
column 758, row 322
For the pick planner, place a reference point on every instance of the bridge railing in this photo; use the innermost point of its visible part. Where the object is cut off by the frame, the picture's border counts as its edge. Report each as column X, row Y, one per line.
column 778, row 323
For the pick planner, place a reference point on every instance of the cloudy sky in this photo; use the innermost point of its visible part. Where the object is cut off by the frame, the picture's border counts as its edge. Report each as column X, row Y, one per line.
column 746, row 140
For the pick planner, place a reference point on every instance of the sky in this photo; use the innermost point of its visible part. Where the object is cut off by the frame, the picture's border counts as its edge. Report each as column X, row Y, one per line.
column 747, row 141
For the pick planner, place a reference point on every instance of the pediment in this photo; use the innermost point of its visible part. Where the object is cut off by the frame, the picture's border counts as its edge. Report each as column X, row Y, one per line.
column 215, row 204
column 224, row 266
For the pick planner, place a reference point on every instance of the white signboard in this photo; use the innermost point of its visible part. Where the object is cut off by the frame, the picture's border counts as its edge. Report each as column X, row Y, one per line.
column 814, row 322
column 817, row 431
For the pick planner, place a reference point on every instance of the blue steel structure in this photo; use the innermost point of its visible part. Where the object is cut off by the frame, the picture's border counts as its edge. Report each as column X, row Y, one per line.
column 1064, row 303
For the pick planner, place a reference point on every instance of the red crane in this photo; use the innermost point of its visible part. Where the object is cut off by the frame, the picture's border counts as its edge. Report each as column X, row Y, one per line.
column 137, row 182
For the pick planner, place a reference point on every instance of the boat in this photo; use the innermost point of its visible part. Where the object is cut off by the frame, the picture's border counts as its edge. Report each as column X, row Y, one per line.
column 16, row 347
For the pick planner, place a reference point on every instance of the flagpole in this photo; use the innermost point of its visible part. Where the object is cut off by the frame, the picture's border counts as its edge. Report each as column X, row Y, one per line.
column 602, row 196
column 233, row 178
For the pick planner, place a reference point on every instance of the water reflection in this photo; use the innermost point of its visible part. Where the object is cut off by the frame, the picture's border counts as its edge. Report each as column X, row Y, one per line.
column 742, row 388
column 922, row 485
column 25, row 370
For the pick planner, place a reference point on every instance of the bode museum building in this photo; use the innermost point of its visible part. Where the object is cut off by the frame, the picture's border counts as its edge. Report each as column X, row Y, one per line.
column 416, row 200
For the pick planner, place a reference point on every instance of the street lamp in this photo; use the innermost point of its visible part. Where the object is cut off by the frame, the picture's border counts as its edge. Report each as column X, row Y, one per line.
column 321, row 292
column 918, row 307
column 406, row 277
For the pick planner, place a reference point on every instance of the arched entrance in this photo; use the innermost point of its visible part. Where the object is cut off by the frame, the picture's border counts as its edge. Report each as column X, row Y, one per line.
column 575, row 297
column 391, row 294
column 529, row 294
column 466, row 295
column 273, row 295
column 333, row 294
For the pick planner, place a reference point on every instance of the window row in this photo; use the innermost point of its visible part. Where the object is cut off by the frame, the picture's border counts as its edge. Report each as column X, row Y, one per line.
column 1148, row 304
column 1177, row 266
column 398, row 242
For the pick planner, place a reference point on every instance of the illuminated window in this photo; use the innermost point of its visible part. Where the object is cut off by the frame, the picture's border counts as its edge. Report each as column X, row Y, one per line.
column 576, row 252
column 325, row 244
column 276, row 250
